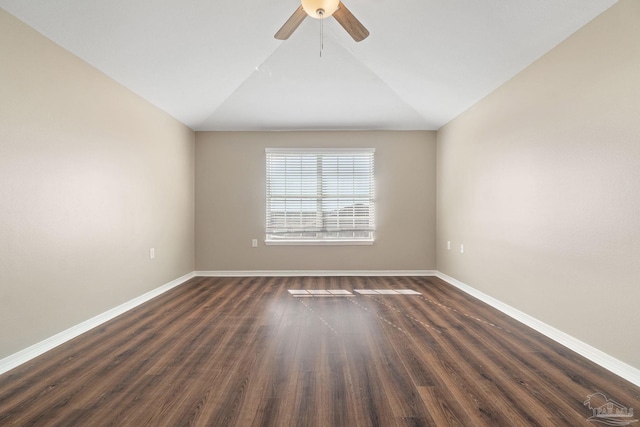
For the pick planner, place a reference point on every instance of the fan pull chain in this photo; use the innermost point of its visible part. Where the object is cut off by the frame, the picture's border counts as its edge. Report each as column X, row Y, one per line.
column 321, row 13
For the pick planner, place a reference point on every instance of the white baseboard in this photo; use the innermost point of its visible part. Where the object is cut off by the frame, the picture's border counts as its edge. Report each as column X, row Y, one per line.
column 315, row 273
column 599, row 357
column 37, row 349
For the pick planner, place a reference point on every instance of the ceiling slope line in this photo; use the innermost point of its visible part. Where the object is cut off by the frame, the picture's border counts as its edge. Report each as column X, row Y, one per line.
column 255, row 69
column 302, row 85
column 409, row 105
column 242, row 83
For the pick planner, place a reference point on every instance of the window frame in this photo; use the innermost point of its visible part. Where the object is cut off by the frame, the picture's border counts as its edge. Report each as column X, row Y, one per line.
column 319, row 198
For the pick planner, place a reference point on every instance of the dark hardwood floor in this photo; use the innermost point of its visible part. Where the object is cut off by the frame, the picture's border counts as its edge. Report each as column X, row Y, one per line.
column 244, row 352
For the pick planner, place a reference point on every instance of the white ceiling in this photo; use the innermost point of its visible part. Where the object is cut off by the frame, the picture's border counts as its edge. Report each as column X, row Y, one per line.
column 214, row 65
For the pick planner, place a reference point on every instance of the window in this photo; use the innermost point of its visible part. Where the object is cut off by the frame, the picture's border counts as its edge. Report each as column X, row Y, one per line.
column 320, row 196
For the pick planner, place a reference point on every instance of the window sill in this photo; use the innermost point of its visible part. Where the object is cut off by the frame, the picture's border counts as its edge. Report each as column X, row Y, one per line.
column 318, row 242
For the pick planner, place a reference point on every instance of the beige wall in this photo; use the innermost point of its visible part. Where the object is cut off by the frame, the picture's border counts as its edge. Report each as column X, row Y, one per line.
column 230, row 203
column 541, row 182
column 91, row 177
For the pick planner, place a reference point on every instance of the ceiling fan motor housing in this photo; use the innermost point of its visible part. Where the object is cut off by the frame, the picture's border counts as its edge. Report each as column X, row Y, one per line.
column 320, row 8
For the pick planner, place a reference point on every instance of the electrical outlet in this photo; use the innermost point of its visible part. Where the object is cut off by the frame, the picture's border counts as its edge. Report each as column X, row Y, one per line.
column 461, row 248
column 254, row 243
column 152, row 253
column 448, row 245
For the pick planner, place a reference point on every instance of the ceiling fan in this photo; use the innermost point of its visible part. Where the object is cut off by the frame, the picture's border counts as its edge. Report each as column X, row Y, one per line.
column 321, row 9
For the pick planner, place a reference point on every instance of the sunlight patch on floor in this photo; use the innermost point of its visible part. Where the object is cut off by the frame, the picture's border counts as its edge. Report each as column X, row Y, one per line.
column 301, row 293
column 310, row 293
column 386, row 292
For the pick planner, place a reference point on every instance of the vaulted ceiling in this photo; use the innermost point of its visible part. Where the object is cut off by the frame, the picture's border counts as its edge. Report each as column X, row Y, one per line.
column 215, row 65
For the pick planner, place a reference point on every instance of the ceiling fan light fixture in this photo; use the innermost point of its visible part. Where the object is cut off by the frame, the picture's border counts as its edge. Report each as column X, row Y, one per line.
column 320, row 8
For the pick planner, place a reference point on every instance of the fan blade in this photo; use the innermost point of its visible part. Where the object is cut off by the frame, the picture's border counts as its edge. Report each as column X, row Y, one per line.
column 292, row 23
column 350, row 23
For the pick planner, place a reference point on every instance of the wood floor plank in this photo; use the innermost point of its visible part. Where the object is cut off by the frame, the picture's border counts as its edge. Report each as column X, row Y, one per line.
column 509, row 394
column 244, row 352
column 524, row 362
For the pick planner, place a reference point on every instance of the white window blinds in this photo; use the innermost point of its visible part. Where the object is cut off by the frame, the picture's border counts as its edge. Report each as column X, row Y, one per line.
column 320, row 195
